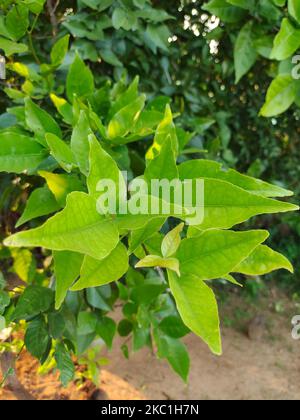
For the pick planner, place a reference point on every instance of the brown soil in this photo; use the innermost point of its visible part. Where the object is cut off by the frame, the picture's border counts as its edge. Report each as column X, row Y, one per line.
column 260, row 361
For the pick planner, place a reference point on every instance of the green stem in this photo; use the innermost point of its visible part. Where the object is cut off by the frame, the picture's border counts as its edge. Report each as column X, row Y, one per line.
column 30, row 40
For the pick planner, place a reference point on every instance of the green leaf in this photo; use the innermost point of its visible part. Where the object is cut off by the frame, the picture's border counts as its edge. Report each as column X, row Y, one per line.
column 39, row 121
column 215, row 253
column 198, row 308
column 64, row 364
column 264, row 45
column 40, row 203
column 244, row 52
column 99, row 5
column 10, row 47
column 59, row 51
column 35, row 6
column 156, row 261
column 61, row 152
column 124, row 19
column 226, row 205
column 24, row 265
column 77, row 228
column 106, row 328
column 125, row 328
column 61, row 185
column 4, row 301
column 97, row 298
column 123, row 121
column 294, row 9
column 2, row 323
column 173, row 327
column 129, row 96
column 104, row 167
column 171, row 242
column 96, row 273
column 163, row 166
column 33, row 301
column 244, row 4
column 158, row 36
column 19, row 153
column 37, row 338
column 80, row 144
column 287, row 41
column 87, row 322
column 201, row 168
column 164, row 130
column 176, row 354
column 66, row 269
column 57, row 325
column 263, row 261
column 225, row 11
column 80, row 80
column 280, row 96
column 139, row 236
column 146, row 293
column 17, row 21
column 63, row 107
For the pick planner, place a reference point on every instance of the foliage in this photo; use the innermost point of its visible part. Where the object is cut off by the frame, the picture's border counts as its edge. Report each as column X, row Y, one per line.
column 66, row 125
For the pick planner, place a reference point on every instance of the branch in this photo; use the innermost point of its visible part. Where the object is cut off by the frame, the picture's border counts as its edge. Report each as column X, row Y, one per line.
column 51, row 10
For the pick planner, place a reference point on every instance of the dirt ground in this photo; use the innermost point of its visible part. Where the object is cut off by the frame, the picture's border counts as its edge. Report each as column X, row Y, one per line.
column 260, row 361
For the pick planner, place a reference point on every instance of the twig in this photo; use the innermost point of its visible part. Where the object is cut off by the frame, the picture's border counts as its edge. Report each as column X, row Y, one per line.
column 51, row 10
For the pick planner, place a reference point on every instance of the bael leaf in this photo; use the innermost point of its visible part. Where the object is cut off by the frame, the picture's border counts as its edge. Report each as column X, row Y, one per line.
column 201, row 168
column 122, row 122
column 24, row 264
column 104, row 167
column 40, row 203
column 157, row 261
column 263, row 261
column 280, row 96
column 67, row 267
column 215, row 253
column 139, row 236
column 96, row 273
column 80, row 143
column 61, row 185
column 61, row 152
column 106, row 328
column 77, row 228
column 171, row 241
column 225, row 11
column 226, row 205
column 287, row 41
column 17, row 21
column 4, row 301
column 19, row 153
column 176, row 353
column 294, row 9
column 99, row 5
column 64, row 364
column 244, row 51
column 11, row 47
column 164, row 130
column 39, row 121
column 59, row 51
column 163, row 166
column 80, row 80
column 198, row 308
column 37, row 338
column 33, row 301
column 173, row 327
